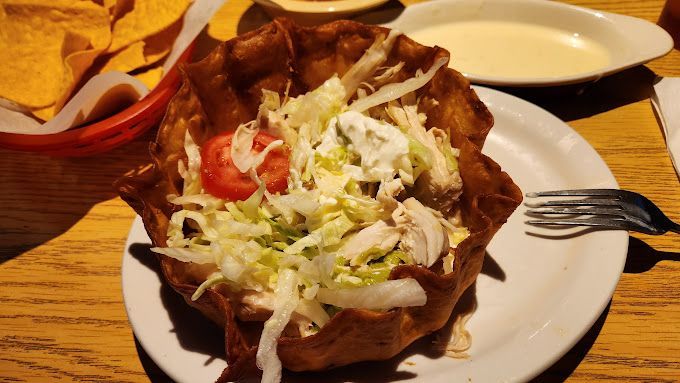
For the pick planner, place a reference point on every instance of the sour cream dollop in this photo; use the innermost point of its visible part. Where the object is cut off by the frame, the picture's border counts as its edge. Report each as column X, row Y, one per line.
column 383, row 148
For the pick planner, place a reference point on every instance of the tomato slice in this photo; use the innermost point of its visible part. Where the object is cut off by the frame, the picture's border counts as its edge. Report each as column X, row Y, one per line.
column 222, row 179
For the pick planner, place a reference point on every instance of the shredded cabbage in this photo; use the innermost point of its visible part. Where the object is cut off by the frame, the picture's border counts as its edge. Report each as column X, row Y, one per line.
column 191, row 173
column 185, row 254
column 242, row 145
column 374, row 56
column 287, row 299
column 393, row 91
column 380, row 296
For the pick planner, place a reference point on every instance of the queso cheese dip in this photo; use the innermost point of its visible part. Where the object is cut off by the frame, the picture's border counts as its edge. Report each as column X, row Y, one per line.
column 514, row 49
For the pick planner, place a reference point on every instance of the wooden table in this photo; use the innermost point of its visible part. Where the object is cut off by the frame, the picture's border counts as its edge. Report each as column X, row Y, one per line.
column 63, row 230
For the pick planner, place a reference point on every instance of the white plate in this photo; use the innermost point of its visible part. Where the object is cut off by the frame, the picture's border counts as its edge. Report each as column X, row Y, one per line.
column 553, row 290
column 629, row 41
column 316, row 12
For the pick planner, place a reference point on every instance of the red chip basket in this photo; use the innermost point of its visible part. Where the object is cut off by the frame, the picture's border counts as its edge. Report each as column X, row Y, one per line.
column 106, row 134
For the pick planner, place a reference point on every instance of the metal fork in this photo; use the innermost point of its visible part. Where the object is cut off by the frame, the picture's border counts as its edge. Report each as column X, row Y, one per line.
column 607, row 208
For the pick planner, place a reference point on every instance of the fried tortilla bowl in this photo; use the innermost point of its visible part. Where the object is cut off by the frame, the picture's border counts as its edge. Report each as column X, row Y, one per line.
column 224, row 90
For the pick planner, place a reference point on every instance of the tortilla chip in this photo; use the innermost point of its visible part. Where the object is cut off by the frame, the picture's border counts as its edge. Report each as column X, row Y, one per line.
column 146, row 18
column 127, row 59
column 143, row 53
column 54, row 40
column 224, row 90
column 45, row 113
column 77, row 63
column 108, row 4
column 151, row 77
column 159, row 45
column 77, row 59
column 118, row 8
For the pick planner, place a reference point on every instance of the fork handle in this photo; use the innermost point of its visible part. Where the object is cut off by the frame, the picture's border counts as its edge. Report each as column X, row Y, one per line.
column 674, row 227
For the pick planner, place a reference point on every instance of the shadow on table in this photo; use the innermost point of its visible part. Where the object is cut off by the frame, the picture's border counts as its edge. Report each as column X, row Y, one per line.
column 43, row 196
column 642, row 257
column 566, row 365
column 573, row 102
column 198, row 334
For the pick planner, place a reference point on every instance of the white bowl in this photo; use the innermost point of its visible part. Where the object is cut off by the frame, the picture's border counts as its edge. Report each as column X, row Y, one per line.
column 316, row 12
column 628, row 41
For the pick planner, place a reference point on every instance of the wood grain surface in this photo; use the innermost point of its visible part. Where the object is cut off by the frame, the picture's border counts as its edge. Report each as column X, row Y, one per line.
column 63, row 230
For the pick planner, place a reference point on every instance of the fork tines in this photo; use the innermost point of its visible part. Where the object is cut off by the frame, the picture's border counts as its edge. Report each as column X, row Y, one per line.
column 579, row 193
column 605, row 207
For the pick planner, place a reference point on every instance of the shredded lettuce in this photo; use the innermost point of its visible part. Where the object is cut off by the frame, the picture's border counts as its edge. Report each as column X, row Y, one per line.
column 404, row 292
column 212, row 280
column 374, row 56
column 393, row 91
column 420, row 156
column 313, row 310
column 327, row 235
column 451, row 154
column 315, row 107
column 287, row 299
column 190, row 173
column 185, row 254
column 242, row 145
column 251, row 205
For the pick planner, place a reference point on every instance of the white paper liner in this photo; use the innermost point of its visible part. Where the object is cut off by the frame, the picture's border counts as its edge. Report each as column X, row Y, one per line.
column 666, row 102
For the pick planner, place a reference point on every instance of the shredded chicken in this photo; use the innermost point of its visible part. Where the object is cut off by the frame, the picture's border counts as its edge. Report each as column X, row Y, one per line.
column 387, row 192
column 379, row 235
column 424, row 238
column 438, row 187
column 417, row 230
